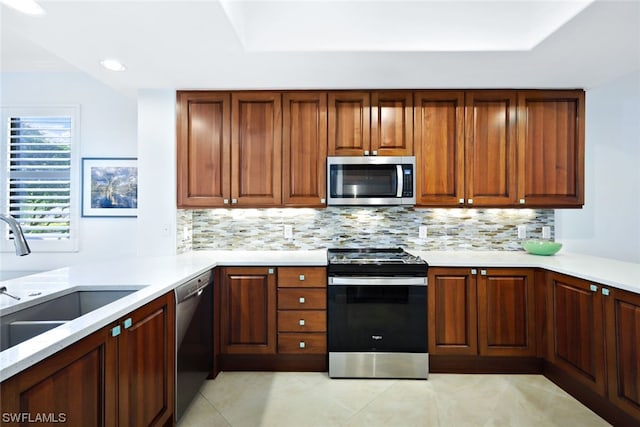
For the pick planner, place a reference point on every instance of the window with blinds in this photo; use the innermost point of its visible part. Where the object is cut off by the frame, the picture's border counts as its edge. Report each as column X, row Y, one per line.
column 38, row 190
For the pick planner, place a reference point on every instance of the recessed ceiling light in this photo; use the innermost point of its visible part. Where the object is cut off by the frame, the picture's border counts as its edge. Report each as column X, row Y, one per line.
column 30, row 7
column 112, row 65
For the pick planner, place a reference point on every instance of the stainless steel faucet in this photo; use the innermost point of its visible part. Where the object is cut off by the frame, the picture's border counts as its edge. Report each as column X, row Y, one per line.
column 22, row 248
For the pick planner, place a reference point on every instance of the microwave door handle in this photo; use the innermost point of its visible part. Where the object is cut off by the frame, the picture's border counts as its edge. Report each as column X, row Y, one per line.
column 400, row 181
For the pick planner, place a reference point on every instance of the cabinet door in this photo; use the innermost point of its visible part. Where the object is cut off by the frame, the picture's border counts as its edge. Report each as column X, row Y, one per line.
column 204, row 157
column 77, row 386
column 551, row 148
column 256, row 149
column 506, row 324
column 392, row 123
column 305, row 149
column 576, row 335
column 490, row 134
column 439, row 147
column 452, row 313
column 248, row 311
column 623, row 353
column 349, row 123
column 147, row 364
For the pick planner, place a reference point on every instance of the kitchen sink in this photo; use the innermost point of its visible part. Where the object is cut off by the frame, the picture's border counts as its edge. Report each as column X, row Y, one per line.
column 29, row 322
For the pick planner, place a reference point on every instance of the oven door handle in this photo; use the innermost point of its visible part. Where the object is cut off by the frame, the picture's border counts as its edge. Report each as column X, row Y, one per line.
column 378, row 281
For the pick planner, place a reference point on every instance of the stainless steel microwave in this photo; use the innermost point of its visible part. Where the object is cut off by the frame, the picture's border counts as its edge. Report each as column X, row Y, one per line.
column 371, row 180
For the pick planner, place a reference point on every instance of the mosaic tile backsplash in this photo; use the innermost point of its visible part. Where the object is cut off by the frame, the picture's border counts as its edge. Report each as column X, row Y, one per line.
column 447, row 229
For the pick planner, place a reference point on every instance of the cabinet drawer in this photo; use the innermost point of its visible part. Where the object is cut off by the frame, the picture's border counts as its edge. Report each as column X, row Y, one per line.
column 296, row 277
column 302, row 299
column 302, row 321
column 302, row 343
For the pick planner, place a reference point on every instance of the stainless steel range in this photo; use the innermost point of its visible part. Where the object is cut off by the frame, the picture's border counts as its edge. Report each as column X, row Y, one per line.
column 377, row 314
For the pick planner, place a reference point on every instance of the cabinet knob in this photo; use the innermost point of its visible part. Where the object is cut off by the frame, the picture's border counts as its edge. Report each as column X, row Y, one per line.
column 470, row 201
column 323, row 201
column 301, row 344
column 593, row 288
column 461, row 201
column 374, row 153
column 127, row 323
column 366, row 152
column 301, row 277
column 271, row 271
column 301, row 300
column 301, row 322
column 474, row 271
column 605, row 292
column 225, row 201
column 115, row 331
column 483, row 272
column 522, row 201
column 234, row 201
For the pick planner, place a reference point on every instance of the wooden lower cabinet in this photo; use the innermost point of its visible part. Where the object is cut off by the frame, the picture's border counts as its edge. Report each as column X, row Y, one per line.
column 104, row 380
column 302, row 310
column 146, row 365
column 575, row 329
column 622, row 320
column 487, row 312
column 248, row 310
column 506, row 315
column 272, row 319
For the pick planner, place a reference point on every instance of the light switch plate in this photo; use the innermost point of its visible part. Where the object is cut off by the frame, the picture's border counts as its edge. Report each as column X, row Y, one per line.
column 522, row 232
column 288, row 231
column 546, row 232
column 422, row 232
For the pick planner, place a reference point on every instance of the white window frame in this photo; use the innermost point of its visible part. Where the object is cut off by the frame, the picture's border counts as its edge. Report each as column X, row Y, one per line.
column 6, row 112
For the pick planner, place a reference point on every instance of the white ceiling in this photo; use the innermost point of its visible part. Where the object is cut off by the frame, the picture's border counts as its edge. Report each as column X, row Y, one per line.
column 214, row 44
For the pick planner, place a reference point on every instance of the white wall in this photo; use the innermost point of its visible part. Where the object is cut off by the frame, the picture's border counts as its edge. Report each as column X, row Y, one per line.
column 108, row 128
column 157, row 172
column 609, row 223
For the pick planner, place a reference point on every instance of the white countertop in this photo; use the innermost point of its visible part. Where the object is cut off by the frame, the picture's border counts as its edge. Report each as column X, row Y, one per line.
column 610, row 272
column 159, row 275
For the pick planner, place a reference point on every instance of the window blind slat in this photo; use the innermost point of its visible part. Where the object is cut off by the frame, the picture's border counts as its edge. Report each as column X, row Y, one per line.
column 39, row 164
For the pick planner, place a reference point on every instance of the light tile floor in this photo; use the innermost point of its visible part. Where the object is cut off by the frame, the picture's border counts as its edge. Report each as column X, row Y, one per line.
column 282, row 399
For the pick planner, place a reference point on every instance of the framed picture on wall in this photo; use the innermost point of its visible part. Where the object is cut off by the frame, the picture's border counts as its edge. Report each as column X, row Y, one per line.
column 109, row 187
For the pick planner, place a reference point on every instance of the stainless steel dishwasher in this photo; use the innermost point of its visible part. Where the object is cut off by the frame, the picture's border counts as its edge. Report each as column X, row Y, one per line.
column 194, row 338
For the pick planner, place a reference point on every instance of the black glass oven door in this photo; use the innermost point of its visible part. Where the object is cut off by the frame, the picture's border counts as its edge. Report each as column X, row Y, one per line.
column 377, row 318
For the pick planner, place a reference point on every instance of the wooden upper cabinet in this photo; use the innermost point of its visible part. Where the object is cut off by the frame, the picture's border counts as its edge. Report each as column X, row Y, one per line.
column 439, row 147
column 490, row 133
column 204, row 156
column 551, row 148
column 256, row 149
column 349, row 123
column 391, row 123
column 305, row 148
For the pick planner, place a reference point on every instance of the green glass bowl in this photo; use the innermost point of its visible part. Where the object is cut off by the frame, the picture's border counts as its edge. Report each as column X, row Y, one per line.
column 541, row 247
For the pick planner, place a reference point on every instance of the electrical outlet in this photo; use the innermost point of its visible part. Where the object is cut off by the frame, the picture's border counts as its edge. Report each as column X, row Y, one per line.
column 522, row 231
column 288, row 231
column 422, row 232
column 546, row 232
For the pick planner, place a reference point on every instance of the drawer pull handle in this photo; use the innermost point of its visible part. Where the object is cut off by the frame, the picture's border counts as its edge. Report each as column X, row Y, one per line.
column 301, row 300
column 301, row 344
column 301, row 277
column 301, row 322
